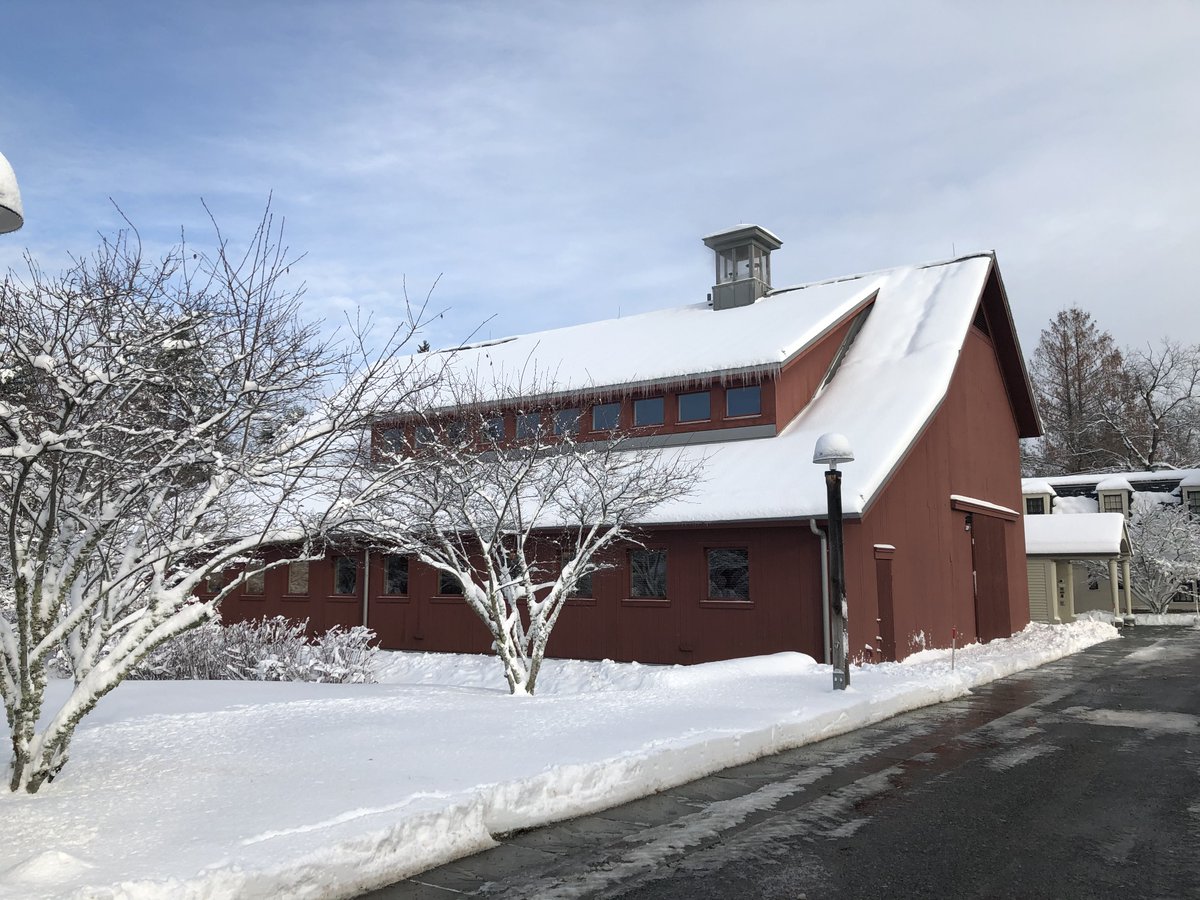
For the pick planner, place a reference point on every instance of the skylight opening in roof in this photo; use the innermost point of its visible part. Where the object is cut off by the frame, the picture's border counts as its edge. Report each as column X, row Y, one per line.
column 855, row 327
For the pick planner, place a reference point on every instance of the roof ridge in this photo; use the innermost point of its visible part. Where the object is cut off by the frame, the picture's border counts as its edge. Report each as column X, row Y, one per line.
column 991, row 254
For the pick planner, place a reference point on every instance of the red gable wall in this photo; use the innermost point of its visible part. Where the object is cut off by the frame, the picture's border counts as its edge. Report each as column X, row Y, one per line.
column 970, row 448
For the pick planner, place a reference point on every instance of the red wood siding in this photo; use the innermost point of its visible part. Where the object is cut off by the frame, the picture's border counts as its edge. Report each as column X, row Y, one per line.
column 783, row 612
column 802, row 376
column 969, row 448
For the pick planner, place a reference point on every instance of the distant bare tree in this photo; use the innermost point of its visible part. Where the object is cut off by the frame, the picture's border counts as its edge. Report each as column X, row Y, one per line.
column 1076, row 373
column 1155, row 415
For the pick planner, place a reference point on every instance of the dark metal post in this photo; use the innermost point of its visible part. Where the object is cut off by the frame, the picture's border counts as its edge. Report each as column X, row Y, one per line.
column 840, row 639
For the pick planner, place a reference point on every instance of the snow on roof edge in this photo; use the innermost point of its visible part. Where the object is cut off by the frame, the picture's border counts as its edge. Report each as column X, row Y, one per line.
column 1084, row 534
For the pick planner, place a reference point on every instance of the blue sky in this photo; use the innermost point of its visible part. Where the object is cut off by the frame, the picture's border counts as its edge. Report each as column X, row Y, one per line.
column 558, row 162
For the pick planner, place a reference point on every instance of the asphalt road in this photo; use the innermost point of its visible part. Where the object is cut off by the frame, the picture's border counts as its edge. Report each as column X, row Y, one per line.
column 1078, row 779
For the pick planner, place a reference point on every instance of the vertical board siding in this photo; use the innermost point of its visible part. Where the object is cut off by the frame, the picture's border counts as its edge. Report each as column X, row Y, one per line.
column 783, row 612
column 1039, row 591
column 970, row 447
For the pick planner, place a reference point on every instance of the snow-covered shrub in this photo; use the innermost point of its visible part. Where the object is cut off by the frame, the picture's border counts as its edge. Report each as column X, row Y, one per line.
column 343, row 656
column 263, row 650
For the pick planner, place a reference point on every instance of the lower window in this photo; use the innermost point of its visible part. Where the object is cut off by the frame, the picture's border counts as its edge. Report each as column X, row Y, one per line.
column 583, row 587
column 395, row 575
column 256, row 583
column 729, row 573
column 345, row 575
column 298, row 577
column 449, row 585
column 648, row 573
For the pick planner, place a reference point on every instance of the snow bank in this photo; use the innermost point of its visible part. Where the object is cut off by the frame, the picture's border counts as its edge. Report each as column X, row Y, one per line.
column 1188, row 620
column 210, row 790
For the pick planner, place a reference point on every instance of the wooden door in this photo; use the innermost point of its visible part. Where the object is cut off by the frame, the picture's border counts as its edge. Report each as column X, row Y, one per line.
column 989, row 558
column 887, row 618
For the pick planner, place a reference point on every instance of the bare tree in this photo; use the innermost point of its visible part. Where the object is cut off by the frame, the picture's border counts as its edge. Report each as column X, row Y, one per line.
column 518, row 525
column 159, row 421
column 1076, row 374
column 1155, row 416
column 1166, row 551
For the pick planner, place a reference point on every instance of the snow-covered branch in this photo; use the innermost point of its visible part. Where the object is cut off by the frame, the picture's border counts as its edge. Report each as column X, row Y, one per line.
column 161, row 420
column 519, row 522
column 1165, row 539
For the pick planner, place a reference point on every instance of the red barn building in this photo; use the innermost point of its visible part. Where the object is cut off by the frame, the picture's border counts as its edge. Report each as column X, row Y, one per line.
column 918, row 366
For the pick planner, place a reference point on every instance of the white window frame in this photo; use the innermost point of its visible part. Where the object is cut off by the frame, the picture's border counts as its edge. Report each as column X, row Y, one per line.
column 1123, row 496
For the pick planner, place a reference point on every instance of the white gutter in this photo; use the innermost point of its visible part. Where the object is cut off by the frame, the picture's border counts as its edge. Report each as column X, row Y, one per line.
column 812, row 524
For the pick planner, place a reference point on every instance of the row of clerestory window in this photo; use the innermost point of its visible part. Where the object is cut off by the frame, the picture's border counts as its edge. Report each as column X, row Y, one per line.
column 647, row 412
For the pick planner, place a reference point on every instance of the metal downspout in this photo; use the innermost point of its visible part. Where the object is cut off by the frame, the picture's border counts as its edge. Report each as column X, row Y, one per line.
column 366, row 583
column 812, row 524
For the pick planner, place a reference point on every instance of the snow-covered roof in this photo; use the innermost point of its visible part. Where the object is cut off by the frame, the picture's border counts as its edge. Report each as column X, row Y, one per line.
column 1075, row 505
column 680, row 344
column 1094, row 534
column 1114, row 483
column 741, row 226
column 1186, row 477
column 975, row 501
column 889, row 385
column 1037, row 486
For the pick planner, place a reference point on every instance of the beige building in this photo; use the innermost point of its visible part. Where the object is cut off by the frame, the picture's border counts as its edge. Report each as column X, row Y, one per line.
column 1093, row 582
column 1062, row 554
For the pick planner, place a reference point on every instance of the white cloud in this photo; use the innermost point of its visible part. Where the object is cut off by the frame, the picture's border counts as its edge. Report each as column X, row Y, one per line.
column 559, row 162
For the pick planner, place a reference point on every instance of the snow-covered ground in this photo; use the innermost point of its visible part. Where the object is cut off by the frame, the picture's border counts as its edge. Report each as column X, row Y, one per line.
column 1185, row 619
column 243, row 789
column 1188, row 619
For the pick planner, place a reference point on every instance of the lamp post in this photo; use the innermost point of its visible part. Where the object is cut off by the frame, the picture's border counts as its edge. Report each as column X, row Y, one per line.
column 831, row 449
column 12, row 216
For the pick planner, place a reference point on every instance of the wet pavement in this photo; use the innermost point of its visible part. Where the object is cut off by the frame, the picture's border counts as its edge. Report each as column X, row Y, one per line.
column 1078, row 779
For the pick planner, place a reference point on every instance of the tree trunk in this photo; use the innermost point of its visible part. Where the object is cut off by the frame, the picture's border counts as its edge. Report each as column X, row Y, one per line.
column 35, row 759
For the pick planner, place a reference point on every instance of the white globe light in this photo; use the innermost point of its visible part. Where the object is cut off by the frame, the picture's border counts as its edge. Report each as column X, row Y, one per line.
column 12, row 216
column 833, row 448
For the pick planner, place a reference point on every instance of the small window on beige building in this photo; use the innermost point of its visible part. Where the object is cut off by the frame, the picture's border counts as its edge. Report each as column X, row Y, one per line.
column 1112, row 503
